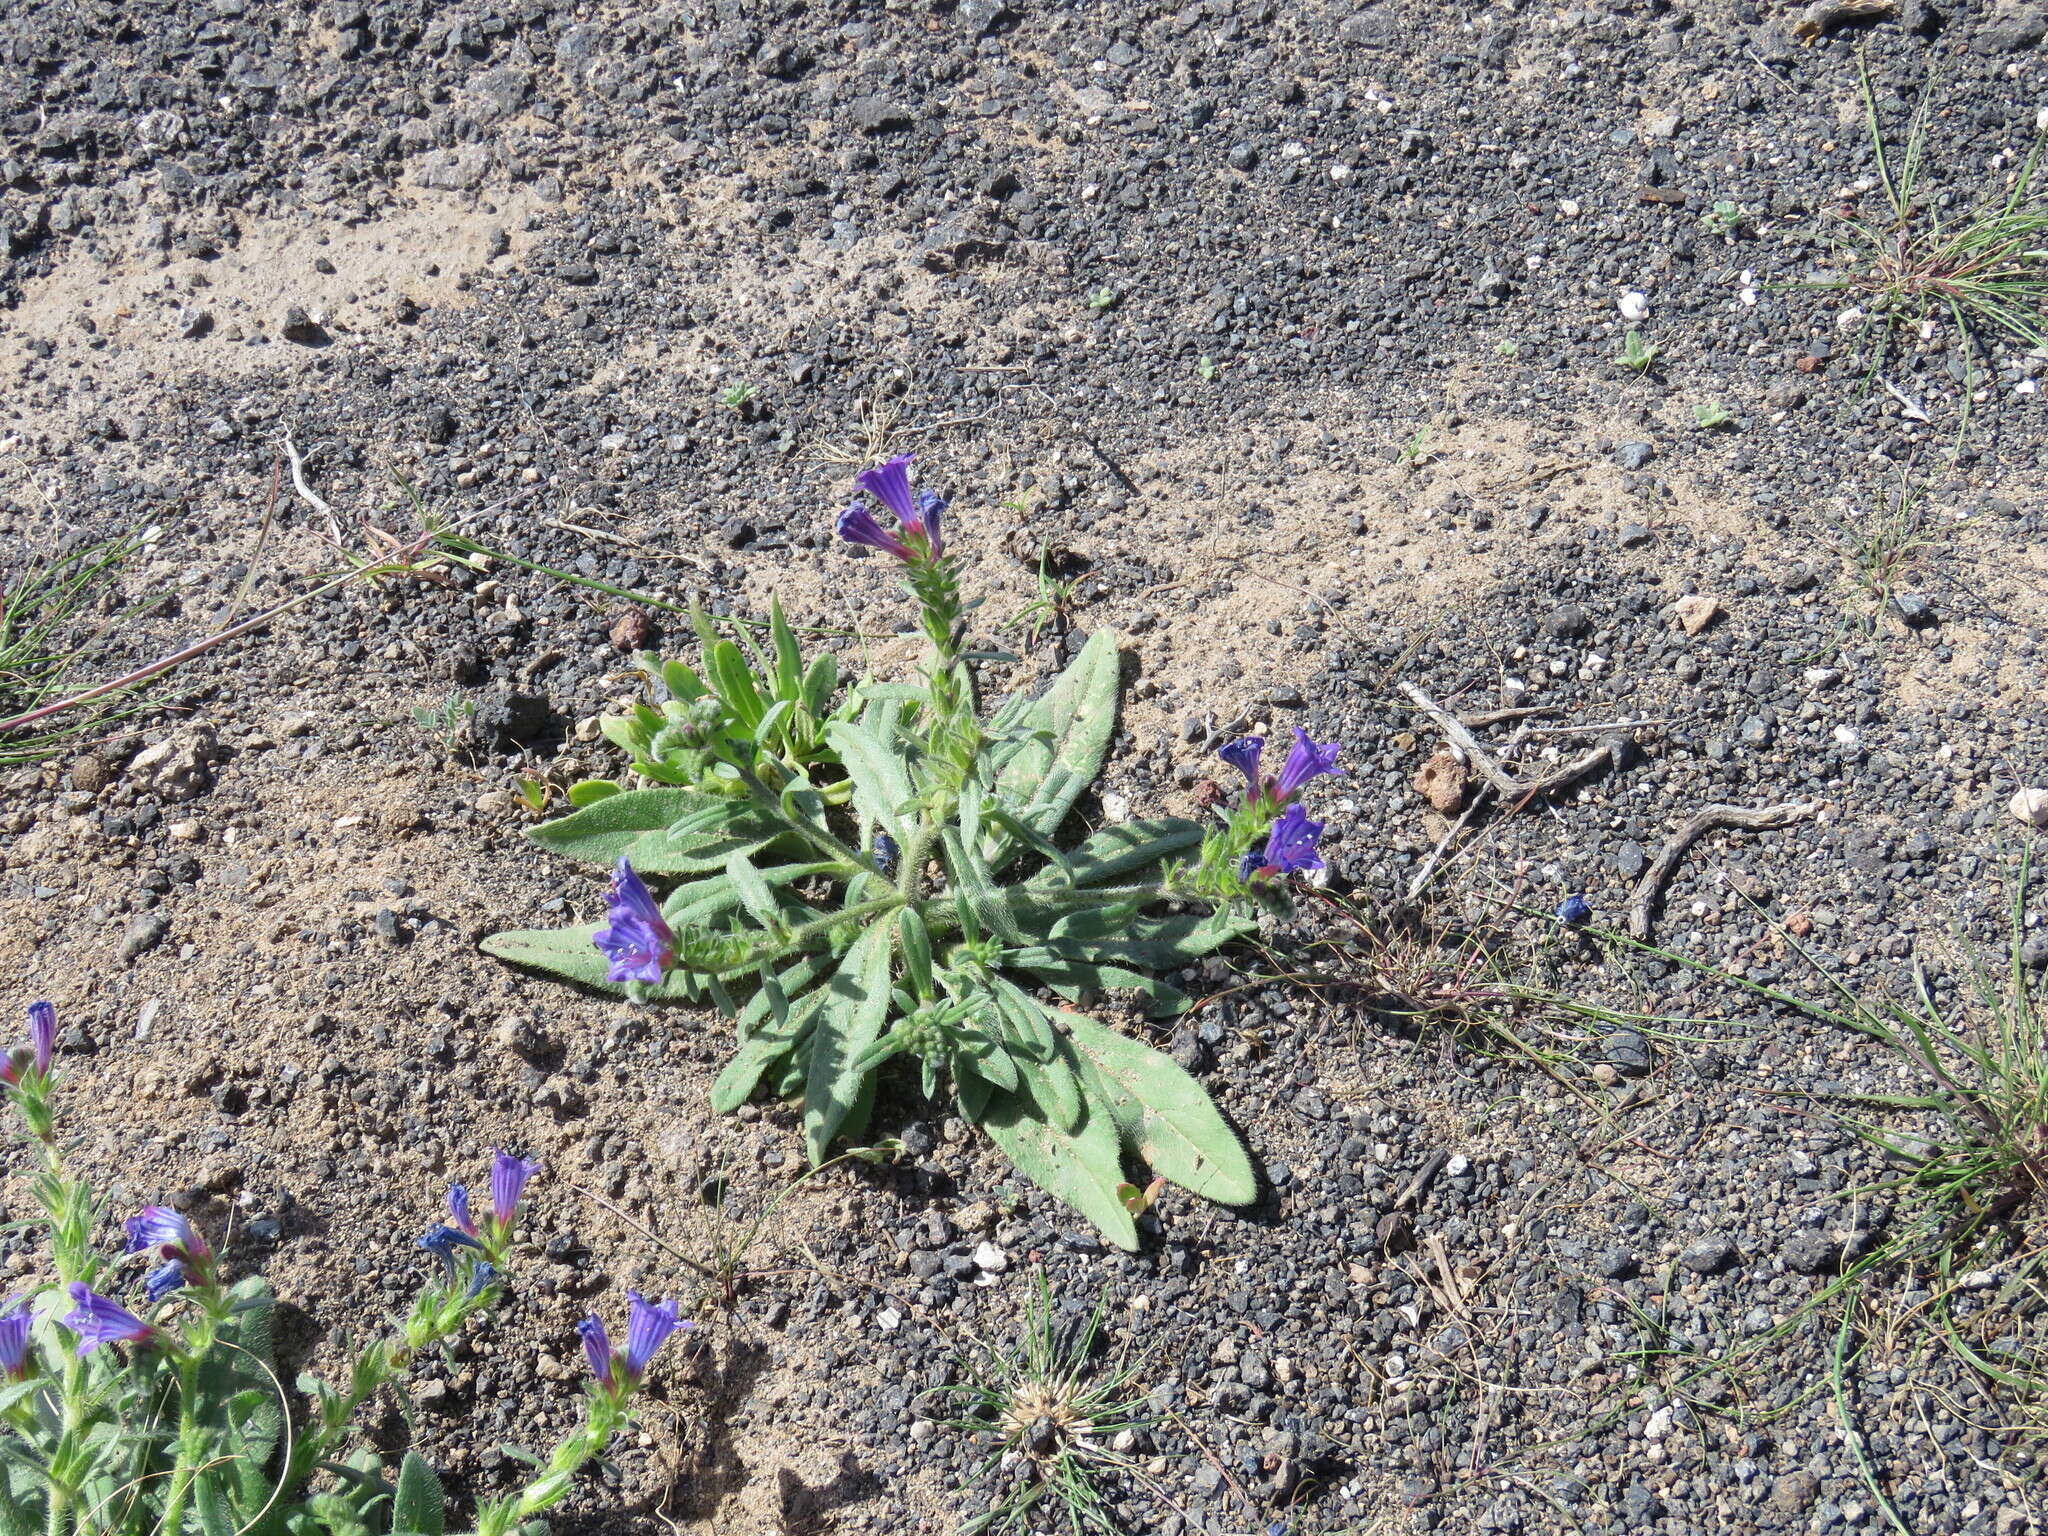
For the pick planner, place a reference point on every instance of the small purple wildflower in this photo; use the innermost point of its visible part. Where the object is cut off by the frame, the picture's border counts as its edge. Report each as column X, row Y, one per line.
column 509, row 1176
column 638, row 942
column 597, row 1348
column 889, row 483
column 42, row 1035
column 480, row 1279
column 98, row 1321
column 14, row 1325
column 1290, row 848
column 442, row 1241
column 857, row 525
column 1305, row 760
column 930, row 508
column 1574, row 910
column 1243, row 755
column 165, row 1234
column 647, row 1329
column 458, row 1209
column 163, row 1280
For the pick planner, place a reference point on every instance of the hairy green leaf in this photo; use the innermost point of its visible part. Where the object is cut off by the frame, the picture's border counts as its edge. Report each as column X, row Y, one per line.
column 1164, row 1114
column 416, row 1505
column 1083, row 1167
column 856, row 1006
column 881, row 784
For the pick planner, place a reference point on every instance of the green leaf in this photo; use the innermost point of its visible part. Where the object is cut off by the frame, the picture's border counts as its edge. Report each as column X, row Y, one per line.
column 881, row 784
column 604, row 831
column 991, row 1061
column 789, row 661
column 568, row 953
column 1125, row 849
column 1080, row 711
column 701, row 843
column 1070, row 976
column 754, row 892
column 682, row 682
column 1029, row 1025
column 417, row 1505
column 1083, row 1168
column 972, row 878
column 855, row 1008
column 1164, row 1114
column 210, row 1506
column 821, row 681
column 1058, row 1088
column 734, row 682
column 590, row 791
column 772, row 719
column 916, row 940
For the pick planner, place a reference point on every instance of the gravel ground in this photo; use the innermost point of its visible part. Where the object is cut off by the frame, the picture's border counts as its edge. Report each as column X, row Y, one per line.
column 1289, row 333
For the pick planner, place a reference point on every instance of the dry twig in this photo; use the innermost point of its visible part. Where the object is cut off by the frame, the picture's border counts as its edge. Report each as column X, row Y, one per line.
column 1704, row 820
column 1512, row 789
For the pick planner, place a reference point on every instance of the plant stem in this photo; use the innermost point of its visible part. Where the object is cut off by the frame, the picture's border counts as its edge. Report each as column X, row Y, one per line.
column 191, row 1446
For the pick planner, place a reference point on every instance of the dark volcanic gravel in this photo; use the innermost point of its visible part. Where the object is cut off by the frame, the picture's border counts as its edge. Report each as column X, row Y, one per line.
column 1288, row 334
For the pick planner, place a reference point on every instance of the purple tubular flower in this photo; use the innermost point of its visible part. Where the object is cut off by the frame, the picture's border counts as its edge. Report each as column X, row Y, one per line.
column 857, row 525
column 98, row 1321
column 647, row 1329
column 14, row 1323
column 508, row 1182
column 442, row 1241
column 889, row 483
column 1290, row 847
column 42, row 1034
column 163, row 1280
column 930, row 508
column 480, row 1279
column 1304, row 761
column 161, row 1231
column 458, row 1209
column 1243, row 755
column 638, row 942
column 597, row 1348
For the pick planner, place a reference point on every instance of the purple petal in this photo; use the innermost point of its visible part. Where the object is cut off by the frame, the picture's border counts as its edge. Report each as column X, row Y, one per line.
column 509, row 1175
column 14, row 1325
column 1243, row 755
column 98, row 1321
column 163, row 1280
column 162, row 1231
column 857, row 525
column 42, row 1034
column 638, row 942
column 1304, row 761
column 458, row 1209
column 930, row 508
column 889, row 483
column 647, row 1329
column 597, row 1347
column 1291, row 844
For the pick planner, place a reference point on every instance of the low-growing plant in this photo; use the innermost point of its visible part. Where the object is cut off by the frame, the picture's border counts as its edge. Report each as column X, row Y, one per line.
column 53, row 616
column 1725, row 219
column 1205, row 368
column 1985, row 271
column 1049, row 610
column 1636, row 353
column 1712, row 415
column 914, row 895
column 1103, row 298
column 737, row 397
column 1048, row 1415
column 445, row 723
column 1415, row 450
column 140, row 1395
column 1507, row 351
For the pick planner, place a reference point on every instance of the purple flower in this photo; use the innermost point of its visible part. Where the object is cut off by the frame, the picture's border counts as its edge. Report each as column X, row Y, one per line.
column 647, row 1329
column 1243, row 755
column 458, row 1209
column 42, row 1034
column 930, row 508
column 889, row 483
column 1574, row 910
column 14, row 1323
column 508, row 1182
column 857, row 525
column 480, row 1279
column 163, row 1280
column 98, row 1321
column 162, row 1232
column 442, row 1241
column 1290, row 847
column 1304, row 761
column 638, row 942
column 597, row 1348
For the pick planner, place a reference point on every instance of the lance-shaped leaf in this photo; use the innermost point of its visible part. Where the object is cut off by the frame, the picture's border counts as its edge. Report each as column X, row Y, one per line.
column 1083, row 1167
column 881, row 783
column 416, row 1503
column 1164, row 1114
column 1122, row 850
column 761, row 1050
column 569, row 953
column 856, row 1006
column 1080, row 711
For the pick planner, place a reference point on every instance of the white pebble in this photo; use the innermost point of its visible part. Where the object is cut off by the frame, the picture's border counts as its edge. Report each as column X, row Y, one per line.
column 991, row 1258
column 1634, row 306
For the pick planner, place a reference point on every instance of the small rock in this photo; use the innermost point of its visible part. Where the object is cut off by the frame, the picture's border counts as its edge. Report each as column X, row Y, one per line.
column 1633, row 456
column 990, row 1259
column 1441, row 781
column 2034, row 951
column 878, row 114
column 301, row 327
column 1630, row 860
column 1708, row 1256
column 1794, row 1493
column 144, row 932
column 1695, row 612
column 632, row 630
column 1810, row 1253
column 1570, row 622
column 1914, row 612
column 1634, row 307
column 2030, row 806
column 178, row 768
column 1627, row 1050
column 1634, row 535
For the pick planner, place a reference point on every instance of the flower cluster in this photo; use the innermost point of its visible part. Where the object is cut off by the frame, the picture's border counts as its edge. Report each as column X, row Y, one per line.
column 489, row 1235
column 1290, row 847
column 182, row 1255
column 917, row 514
column 648, row 1326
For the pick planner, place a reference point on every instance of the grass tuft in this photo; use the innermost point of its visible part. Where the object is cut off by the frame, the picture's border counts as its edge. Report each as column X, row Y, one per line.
column 53, row 618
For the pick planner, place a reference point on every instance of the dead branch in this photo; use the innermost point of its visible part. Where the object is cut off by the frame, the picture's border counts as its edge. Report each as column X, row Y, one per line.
column 1706, row 819
column 1512, row 789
